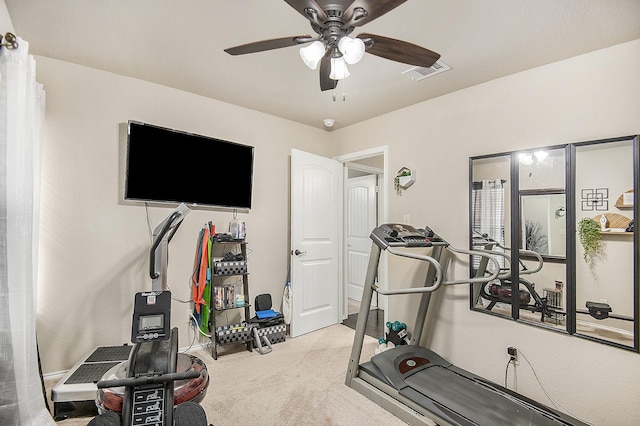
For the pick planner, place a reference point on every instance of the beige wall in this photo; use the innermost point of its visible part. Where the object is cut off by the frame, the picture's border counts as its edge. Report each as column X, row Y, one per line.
column 5, row 20
column 589, row 97
column 94, row 249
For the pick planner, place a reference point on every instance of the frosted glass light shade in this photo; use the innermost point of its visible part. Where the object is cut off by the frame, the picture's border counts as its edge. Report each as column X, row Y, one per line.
column 338, row 69
column 312, row 54
column 541, row 155
column 352, row 49
column 525, row 158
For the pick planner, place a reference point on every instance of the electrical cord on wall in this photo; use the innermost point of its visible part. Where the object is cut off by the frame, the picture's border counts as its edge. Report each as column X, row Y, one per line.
column 194, row 336
column 146, row 208
column 175, row 298
column 194, row 324
column 548, row 395
column 506, row 372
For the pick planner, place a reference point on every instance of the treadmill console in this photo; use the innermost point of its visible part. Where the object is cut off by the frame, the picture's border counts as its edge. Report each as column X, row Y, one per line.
column 403, row 235
column 399, row 235
column 151, row 316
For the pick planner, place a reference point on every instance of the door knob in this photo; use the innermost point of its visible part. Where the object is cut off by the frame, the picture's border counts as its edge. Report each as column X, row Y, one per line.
column 299, row 253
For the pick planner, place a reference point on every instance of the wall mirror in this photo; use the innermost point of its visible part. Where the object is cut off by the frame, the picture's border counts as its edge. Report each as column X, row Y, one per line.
column 606, row 297
column 490, row 223
column 546, row 278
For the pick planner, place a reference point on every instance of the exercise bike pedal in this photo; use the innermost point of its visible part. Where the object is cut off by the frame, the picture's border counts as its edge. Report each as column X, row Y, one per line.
column 189, row 414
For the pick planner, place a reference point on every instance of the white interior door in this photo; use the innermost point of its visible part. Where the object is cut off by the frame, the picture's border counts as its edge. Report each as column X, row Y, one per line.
column 361, row 202
column 316, row 212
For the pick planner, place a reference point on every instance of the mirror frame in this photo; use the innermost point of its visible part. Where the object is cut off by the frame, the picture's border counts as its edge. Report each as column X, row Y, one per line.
column 571, row 238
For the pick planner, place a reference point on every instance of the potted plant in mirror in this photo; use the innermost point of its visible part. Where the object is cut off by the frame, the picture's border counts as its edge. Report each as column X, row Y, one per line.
column 589, row 232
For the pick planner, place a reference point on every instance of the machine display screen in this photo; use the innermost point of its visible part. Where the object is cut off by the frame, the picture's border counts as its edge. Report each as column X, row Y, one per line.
column 151, row 322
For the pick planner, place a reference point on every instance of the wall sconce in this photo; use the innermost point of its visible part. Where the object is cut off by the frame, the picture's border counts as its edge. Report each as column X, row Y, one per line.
column 560, row 212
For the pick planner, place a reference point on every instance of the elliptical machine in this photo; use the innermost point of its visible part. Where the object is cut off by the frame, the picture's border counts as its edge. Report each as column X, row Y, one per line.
column 144, row 389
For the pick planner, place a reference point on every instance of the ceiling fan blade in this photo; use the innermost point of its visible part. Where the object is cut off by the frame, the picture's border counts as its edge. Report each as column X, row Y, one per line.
column 374, row 8
column 326, row 83
column 399, row 51
column 261, row 46
column 302, row 5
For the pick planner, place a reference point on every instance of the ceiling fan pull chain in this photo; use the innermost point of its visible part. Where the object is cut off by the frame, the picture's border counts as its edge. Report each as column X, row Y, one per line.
column 344, row 97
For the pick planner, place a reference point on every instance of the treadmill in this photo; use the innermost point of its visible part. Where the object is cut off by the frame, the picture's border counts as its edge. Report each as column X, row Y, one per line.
column 416, row 384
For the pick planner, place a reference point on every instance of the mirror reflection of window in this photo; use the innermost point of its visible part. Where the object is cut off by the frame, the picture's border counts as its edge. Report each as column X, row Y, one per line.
column 488, row 209
column 490, row 220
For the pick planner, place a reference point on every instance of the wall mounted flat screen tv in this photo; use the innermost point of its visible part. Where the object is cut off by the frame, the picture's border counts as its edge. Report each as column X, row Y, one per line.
column 171, row 166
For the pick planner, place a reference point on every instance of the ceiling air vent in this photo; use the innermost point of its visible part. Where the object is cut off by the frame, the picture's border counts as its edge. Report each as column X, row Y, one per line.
column 419, row 73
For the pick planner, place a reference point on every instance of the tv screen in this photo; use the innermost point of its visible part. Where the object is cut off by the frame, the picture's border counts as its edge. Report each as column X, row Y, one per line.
column 164, row 165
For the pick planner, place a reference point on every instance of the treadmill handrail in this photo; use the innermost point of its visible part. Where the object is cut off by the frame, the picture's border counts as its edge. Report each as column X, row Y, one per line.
column 507, row 272
column 487, row 279
column 439, row 272
column 521, row 252
column 527, row 253
column 411, row 290
column 538, row 258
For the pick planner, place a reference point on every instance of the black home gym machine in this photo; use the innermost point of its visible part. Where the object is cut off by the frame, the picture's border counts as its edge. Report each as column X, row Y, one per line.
column 156, row 386
column 416, row 384
column 500, row 291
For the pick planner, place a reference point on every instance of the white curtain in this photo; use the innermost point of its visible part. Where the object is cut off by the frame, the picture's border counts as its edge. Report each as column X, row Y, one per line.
column 21, row 117
column 488, row 211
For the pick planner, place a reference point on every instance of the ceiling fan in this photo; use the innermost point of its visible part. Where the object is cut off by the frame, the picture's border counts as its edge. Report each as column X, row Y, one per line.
column 332, row 48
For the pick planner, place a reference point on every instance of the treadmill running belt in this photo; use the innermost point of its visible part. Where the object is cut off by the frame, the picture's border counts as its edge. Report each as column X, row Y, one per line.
column 475, row 401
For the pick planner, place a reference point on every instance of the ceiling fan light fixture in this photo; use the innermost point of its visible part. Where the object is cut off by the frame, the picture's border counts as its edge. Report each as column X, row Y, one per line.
column 338, row 68
column 352, row 49
column 525, row 158
column 541, row 155
column 312, row 54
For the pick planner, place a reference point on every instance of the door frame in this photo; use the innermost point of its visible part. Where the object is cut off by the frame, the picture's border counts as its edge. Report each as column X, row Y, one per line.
column 383, row 215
